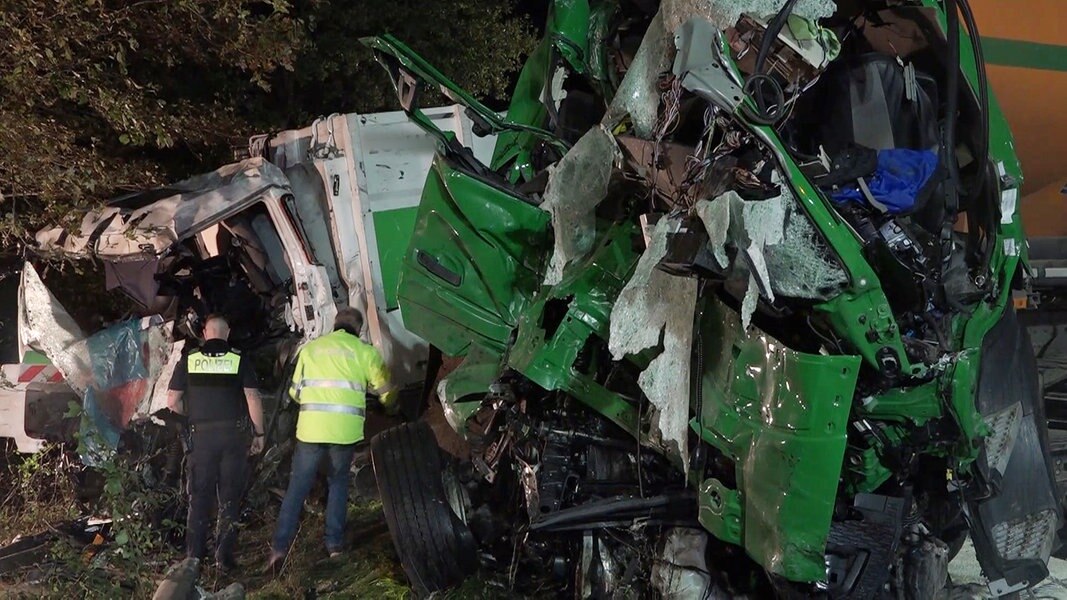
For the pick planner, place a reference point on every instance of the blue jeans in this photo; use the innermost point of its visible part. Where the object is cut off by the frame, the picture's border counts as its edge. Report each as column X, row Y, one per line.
column 306, row 460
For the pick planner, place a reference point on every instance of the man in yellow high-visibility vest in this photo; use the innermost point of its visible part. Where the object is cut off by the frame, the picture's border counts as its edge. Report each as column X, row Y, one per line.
column 332, row 377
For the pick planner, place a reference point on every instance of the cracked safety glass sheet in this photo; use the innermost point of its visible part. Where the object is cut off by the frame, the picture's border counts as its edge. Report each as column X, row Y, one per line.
column 654, row 304
column 778, row 251
column 576, row 185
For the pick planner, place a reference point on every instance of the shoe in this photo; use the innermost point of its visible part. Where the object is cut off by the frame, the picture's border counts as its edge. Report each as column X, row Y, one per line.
column 274, row 564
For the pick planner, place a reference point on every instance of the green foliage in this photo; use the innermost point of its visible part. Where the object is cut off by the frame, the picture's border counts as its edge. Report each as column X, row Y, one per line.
column 139, row 547
column 132, row 500
column 38, row 489
column 94, row 89
column 103, row 96
column 480, row 44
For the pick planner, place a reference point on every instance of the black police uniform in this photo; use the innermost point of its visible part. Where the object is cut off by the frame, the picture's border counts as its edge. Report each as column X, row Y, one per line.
column 213, row 381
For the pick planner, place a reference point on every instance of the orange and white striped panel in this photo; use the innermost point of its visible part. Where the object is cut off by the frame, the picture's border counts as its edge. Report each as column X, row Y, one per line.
column 39, row 374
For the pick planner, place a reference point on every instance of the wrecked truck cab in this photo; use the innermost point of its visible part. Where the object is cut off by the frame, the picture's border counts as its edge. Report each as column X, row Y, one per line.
column 318, row 217
column 226, row 241
column 773, row 303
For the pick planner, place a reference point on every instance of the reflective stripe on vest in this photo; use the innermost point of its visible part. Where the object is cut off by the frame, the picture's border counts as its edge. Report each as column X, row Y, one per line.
column 201, row 364
column 334, row 408
column 328, row 383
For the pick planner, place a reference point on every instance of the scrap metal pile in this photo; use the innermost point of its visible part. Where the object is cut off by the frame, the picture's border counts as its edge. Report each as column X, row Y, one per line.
column 764, row 241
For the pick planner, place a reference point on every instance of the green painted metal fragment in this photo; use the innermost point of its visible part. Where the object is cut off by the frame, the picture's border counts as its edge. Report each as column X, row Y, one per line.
column 462, row 391
column 781, row 416
column 474, row 261
column 392, row 229
column 720, row 511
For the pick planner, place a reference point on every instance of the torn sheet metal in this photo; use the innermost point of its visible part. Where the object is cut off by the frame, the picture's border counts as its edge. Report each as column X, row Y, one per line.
column 654, row 303
column 682, row 571
column 576, row 185
column 116, row 371
column 44, row 325
column 148, row 223
column 532, row 492
column 725, row 13
column 700, row 67
column 778, row 248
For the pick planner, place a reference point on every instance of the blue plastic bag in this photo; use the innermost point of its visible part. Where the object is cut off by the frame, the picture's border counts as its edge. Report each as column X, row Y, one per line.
column 900, row 176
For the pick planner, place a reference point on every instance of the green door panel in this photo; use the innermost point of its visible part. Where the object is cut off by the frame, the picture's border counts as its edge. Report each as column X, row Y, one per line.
column 474, row 261
column 781, row 416
column 392, row 229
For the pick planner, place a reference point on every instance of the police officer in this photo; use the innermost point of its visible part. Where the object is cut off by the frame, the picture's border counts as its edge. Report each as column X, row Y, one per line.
column 220, row 394
column 333, row 374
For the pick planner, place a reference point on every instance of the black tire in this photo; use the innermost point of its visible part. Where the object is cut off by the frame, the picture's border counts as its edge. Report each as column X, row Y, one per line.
column 436, row 548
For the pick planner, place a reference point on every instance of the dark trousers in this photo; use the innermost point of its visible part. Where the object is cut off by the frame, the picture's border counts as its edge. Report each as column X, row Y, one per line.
column 306, row 460
column 218, row 459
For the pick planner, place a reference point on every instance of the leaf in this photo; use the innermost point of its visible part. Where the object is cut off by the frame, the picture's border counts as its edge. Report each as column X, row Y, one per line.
column 122, row 538
column 73, row 410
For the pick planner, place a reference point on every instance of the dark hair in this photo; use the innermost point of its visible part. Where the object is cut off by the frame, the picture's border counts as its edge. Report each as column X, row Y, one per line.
column 348, row 319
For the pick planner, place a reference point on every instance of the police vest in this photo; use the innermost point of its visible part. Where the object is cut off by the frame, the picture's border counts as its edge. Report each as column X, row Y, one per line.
column 330, row 383
column 215, row 392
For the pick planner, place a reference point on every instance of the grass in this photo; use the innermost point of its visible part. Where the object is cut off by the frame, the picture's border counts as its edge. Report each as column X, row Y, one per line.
column 39, row 491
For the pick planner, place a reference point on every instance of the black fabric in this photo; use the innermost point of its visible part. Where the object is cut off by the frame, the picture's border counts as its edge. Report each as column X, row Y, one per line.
column 136, row 278
column 214, row 397
column 217, row 469
column 849, row 164
column 865, row 102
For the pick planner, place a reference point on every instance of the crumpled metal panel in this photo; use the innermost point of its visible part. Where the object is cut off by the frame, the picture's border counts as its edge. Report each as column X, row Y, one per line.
column 152, row 221
column 698, row 64
column 782, row 417
column 119, row 371
column 655, row 304
column 462, row 390
column 576, row 185
column 639, row 94
column 45, row 325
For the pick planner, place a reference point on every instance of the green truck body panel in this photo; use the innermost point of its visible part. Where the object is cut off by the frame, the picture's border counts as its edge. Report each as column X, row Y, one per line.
column 473, row 262
column 394, row 230
column 781, row 415
column 549, row 347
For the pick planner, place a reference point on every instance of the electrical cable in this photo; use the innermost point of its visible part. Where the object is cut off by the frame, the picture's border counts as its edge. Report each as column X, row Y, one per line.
column 757, row 82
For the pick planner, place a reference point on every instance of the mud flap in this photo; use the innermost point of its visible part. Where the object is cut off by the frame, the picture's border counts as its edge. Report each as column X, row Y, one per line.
column 1013, row 528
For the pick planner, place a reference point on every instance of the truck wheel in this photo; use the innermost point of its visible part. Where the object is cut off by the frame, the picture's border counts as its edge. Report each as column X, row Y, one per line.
column 435, row 546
